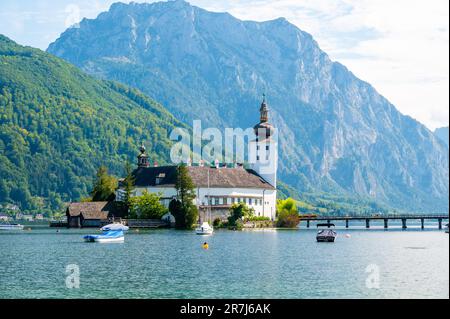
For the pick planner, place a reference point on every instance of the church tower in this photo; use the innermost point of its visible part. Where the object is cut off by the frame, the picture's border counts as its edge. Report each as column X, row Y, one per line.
column 264, row 148
column 143, row 157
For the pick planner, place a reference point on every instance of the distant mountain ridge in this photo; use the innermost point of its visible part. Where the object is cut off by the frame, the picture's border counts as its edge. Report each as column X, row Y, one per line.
column 58, row 125
column 442, row 133
column 338, row 135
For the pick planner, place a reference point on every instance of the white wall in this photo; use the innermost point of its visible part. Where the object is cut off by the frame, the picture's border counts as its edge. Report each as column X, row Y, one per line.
column 263, row 201
column 265, row 161
column 268, row 198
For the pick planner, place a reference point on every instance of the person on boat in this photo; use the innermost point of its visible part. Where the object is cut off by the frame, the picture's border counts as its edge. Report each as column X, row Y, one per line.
column 205, row 245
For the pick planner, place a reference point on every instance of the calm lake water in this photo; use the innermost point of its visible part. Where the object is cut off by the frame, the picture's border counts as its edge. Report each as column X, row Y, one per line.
column 248, row 264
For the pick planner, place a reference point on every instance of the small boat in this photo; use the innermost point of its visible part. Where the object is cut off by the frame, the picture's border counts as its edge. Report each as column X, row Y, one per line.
column 11, row 227
column 115, row 226
column 204, row 229
column 446, row 228
column 110, row 236
column 327, row 235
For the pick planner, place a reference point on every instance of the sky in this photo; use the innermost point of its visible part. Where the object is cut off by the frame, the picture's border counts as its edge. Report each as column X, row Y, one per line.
column 401, row 47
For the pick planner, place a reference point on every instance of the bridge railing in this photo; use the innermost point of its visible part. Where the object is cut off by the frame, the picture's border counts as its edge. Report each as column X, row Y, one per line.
column 388, row 216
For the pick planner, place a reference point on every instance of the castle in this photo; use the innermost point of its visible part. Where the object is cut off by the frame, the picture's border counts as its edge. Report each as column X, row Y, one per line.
column 218, row 188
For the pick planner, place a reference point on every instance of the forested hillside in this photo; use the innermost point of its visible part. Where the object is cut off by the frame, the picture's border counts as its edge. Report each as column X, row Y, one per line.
column 57, row 125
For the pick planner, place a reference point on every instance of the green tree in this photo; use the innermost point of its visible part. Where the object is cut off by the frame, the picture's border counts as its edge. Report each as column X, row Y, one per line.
column 185, row 186
column 104, row 186
column 147, row 206
column 175, row 209
column 238, row 213
column 287, row 211
column 183, row 208
column 128, row 183
column 191, row 215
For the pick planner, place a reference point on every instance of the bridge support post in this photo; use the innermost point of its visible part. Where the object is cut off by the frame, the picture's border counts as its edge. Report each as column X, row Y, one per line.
column 307, row 223
column 440, row 223
column 404, row 223
column 422, row 223
column 346, row 223
column 367, row 223
column 386, row 223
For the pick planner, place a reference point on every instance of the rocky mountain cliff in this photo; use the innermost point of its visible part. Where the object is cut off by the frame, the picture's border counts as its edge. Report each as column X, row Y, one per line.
column 338, row 134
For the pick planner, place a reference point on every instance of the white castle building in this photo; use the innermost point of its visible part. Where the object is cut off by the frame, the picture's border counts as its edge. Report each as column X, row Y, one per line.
column 218, row 188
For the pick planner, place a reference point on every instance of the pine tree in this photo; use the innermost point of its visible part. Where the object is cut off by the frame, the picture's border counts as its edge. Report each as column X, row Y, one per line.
column 128, row 183
column 183, row 208
column 185, row 186
column 104, row 186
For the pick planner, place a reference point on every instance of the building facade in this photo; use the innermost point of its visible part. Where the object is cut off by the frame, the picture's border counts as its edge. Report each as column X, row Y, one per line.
column 219, row 187
column 4, row 217
column 92, row 214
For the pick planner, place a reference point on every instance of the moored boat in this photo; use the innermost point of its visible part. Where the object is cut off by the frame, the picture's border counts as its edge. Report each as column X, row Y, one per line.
column 204, row 229
column 110, row 236
column 327, row 235
column 115, row 226
column 11, row 227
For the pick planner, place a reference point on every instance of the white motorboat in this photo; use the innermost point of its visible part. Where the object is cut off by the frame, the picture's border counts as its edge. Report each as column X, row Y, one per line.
column 204, row 229
column 326, row 235
column 11, row 227
column 110, row 236
column 115, row 226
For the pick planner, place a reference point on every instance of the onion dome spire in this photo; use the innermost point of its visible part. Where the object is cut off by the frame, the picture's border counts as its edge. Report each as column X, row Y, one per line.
column 143, row 157
column 264, row 129
column 264, row 110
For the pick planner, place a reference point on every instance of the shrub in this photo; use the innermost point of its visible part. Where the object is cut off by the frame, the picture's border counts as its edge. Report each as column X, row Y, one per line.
column 258, row 219
column 147, row 206
column 217, row 223
column 287, row 211
column 186, row 216
column 238, row 212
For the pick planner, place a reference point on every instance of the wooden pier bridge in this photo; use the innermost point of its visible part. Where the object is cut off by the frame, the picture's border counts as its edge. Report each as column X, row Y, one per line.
column 368, row 219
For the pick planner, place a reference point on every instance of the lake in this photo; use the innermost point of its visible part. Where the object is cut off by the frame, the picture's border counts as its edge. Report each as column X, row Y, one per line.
column 249, row 264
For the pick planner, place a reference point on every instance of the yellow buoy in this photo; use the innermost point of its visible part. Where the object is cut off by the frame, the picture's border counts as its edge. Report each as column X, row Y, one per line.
column 205, row 246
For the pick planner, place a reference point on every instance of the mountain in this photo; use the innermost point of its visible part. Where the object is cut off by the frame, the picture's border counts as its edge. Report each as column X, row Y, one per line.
column 337, row 134
column 442, row 134
column 58, row 125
